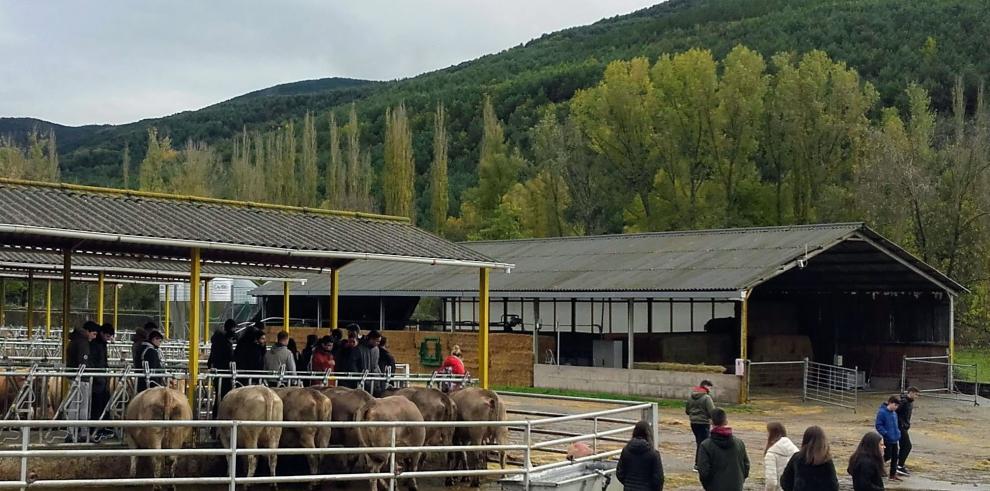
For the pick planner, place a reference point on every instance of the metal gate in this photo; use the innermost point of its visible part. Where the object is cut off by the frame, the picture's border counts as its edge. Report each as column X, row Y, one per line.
column 936, row 377
column 809, row 380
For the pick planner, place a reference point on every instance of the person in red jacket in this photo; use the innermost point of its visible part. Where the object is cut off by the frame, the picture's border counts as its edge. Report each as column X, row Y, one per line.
column 454, row 362
column 322, row 357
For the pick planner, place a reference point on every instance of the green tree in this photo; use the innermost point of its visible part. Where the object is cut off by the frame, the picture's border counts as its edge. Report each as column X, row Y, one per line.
column 13, row 165
column 152, row 173
column 197, row 166
column 617, row 119
column 246, row 182
column 439, row 198
column 335, row 168
column 399, row 172
column 125, row 166
column 309, row 170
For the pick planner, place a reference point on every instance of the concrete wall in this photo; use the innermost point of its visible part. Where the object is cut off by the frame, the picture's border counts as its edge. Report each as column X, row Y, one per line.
column 651, row 383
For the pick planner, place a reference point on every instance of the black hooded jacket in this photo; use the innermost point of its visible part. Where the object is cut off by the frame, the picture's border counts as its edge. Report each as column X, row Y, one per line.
column 722, row 461
column 78, row 349
column 904, row 410
column 221, row 352
column 640, row 467
column 802, row 476
column 249, row 355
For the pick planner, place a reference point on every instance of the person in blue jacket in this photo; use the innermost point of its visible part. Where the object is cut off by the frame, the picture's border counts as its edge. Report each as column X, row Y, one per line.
column 887, row 427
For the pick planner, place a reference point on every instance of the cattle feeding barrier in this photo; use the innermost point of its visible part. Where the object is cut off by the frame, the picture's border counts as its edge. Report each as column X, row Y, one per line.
column 535, row 436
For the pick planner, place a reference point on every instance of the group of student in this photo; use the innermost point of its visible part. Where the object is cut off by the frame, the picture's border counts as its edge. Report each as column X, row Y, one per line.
column 722, row 464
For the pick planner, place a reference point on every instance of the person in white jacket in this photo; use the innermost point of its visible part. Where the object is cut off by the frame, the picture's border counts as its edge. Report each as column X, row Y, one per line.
column 778, row 453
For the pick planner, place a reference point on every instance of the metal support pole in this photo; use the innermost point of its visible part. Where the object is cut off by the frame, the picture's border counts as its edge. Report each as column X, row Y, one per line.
column 116, row 305
column 193, row 371
column 528, row 458
column 25, row 439
column 48, row 310
column 393, row 469
column 168, row 313
column 804, row 382
column 66, row 302
column 232, row 460
column 743, row 341
column 631, row 325
column 285, row 306
column 903, row 373
column 3, row 301
column 100, row 298
column 206, row 310
column 30, row 304
column 483, row 321
column 334, row 297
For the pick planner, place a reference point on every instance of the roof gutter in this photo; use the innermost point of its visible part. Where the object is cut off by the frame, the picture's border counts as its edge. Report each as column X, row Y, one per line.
column 177, row 275
column 274, row 251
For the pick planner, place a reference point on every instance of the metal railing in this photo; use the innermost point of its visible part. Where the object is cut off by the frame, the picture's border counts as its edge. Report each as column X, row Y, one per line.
column 936, row 376
column 529, row 443
column 813, row 381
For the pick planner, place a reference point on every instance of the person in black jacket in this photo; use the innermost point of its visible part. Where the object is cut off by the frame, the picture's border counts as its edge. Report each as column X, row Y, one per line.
column 221, row 355
column 79, row 356
column 151, row 357
column 866, row 464
column 386, row 362
column 811, row 469
column 98, row 361
column 904, row 411
column 344, row 354
column 249, row 355
column 640, row 467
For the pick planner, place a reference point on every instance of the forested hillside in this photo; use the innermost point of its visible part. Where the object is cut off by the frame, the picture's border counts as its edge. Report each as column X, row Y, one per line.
column 689, row 114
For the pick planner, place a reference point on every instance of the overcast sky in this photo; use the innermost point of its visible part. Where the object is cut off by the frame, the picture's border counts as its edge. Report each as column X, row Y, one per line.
column 119, row 61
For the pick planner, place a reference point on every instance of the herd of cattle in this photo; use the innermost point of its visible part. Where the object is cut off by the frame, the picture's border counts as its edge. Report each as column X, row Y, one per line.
column 308, row 404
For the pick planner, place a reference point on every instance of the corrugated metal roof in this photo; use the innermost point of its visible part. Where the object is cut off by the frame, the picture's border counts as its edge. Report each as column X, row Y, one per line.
column 116, row 221
column 707, row 263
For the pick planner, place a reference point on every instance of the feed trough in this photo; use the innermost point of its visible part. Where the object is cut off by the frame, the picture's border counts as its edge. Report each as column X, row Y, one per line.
column 583, row 476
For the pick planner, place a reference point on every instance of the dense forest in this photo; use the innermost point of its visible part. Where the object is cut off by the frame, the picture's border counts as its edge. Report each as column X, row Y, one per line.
column 689, row 114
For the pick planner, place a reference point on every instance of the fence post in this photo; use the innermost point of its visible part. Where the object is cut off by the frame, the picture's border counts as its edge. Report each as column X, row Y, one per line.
column 25, row 438
column 804, row 381
column 653, row 416
column 528, row 463
column 232, row 462
column 392, row 468
column 594, row 437
column 855, row 388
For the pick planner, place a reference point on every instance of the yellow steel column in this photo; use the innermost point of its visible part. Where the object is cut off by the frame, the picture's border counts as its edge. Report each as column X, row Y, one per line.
column 334, row 298
column 116, row 305
column 193, row 328
column 168, row 312
column 101, row 283
column 66, row 302
column 743, row 346
column 285, row 306
column 30, row 304
column 48, row 310
column 483, row 326
column 206, row 310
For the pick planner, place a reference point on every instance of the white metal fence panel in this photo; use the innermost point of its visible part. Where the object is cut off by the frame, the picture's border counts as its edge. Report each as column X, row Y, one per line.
column 936, row 376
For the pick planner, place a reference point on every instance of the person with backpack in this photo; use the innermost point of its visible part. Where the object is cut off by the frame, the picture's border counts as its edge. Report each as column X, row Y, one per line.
column 699, row 407
column 811, row 468
column 153, row 358
column 866, row 463
column 778, row 453
column 640, row 467
column 887, row 426
column 722, row 461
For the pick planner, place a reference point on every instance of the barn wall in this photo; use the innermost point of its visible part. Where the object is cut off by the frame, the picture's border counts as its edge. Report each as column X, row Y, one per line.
column 510, row 361
column 650, row 383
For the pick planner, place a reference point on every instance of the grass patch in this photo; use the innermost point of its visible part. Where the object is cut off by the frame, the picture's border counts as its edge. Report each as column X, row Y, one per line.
column 974, row 356
column 663, row 403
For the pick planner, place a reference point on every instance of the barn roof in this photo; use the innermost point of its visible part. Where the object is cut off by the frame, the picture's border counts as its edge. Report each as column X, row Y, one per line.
column 122, row 222
column 692, row 264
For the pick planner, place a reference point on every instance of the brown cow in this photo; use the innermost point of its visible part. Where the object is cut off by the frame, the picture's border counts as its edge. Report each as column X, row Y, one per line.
column 252, row 403
column 392, row 408
column 476, row 404
column 305, row 404
column 159, row 404
column 434, row 405
column 345, row 404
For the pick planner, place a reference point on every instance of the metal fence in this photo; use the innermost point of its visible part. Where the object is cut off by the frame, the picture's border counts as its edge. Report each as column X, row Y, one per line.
column 540, row 435
column 809, row 380
column 936, row 376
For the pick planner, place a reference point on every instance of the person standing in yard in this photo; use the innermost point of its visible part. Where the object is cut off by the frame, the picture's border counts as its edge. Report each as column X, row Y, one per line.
column 866, row 464
column 722, row 461
column 811, row 469
column 699, row 409
column 640, row 467
column 887, row 426
column 904, row 410
column 779, row 451
column 280, row 356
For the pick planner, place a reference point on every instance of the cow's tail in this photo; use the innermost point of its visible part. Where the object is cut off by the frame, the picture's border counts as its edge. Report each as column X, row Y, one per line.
column 166, row 404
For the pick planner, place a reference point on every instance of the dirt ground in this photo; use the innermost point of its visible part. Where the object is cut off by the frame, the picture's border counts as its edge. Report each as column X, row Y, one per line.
column 951, row 444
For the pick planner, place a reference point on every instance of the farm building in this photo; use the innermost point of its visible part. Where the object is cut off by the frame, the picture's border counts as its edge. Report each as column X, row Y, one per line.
column 835, row 293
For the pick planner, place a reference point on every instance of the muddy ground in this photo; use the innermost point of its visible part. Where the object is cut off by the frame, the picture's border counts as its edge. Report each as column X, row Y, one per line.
column 951, row 442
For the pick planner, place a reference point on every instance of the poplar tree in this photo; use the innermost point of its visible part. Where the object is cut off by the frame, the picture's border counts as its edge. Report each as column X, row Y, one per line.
column 12, row 162
column 353, row 184
column 151, row 174
column 399, row 172
column 52, row 172
column 335, row 169
column 498, row 166
column 308, row 173
column 439, row 199
column 287, row 158
column 125, row 166
column 197, row 166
